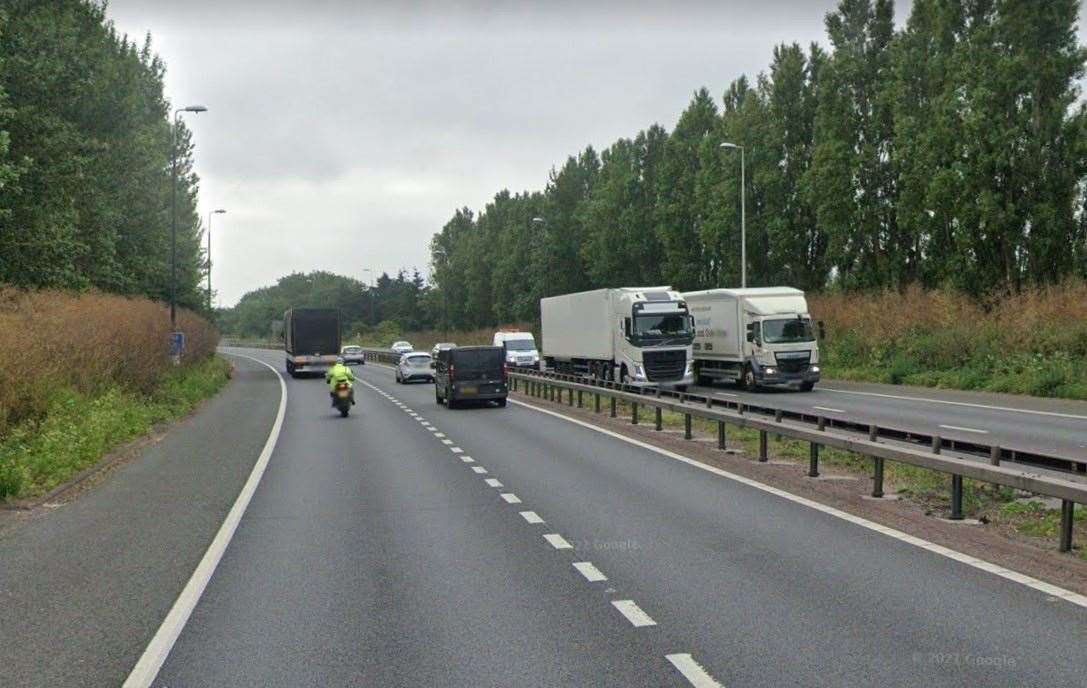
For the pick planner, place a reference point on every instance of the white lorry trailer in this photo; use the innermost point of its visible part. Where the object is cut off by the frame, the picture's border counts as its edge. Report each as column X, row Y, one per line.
column 638, row 335
column 755, row 337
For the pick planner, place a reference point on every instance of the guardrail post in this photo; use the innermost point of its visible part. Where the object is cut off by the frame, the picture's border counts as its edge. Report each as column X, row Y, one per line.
column 596, row 402
column 720, row 434
column 580, row 402
column 571, row 398
column 686, row 426
column 937, row 444
column 1067, row 514
column 956, row 497
column 877, row 477
column 994, row 455
column 634, row 413
column 822, row 423
column 613, row 407
column 763, row 458
column 873, row 433
column 740, row 407
column 778, row 415
column 657, row 415
column 813, row 461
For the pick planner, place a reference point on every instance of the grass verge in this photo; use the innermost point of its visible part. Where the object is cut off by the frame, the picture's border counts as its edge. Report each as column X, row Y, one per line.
column 78, row 429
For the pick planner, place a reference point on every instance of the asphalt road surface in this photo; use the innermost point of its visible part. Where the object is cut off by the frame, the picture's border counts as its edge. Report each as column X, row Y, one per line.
column 411, row 545
column 1054, row 427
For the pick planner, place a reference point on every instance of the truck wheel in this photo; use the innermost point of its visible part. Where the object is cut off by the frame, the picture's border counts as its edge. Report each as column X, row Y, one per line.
column 501, row 403
column 450, row 403
column 807, row 386
column 747, row 382
column 437, row 397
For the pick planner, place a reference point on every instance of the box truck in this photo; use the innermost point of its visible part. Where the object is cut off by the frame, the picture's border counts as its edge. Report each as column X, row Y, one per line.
column 755, row 337
column 638, row 335
column 311, row 337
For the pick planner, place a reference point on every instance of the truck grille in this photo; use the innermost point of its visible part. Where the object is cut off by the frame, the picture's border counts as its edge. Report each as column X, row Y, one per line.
column 663, row 366
column 793, row 362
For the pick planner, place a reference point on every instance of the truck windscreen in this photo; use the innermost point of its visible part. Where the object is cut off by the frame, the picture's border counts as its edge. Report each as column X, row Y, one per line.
column 652, row 328
column 791, row 331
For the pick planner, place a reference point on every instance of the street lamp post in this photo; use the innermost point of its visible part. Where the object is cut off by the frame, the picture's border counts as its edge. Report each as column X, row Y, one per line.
column 173, row 214
column 373, row 283
column 540, row 222
column 743, row 216
column 220, row 211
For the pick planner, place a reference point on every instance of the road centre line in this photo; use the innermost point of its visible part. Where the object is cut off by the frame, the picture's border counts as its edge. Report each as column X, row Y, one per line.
column 493, row 482
column 479, row 469
column 150, row 662
column 439, row 434
column 557, row 541
column 447, row 442
column 633, row 613
column 974, row 562
column 693, row 671
column 962, row 429
column 511, row 498
column 591, row 573
column 531, row 517
column 456, row 450
column 467, row 459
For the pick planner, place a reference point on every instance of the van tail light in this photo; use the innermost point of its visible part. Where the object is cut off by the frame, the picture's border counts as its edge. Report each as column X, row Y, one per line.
column 452, row 371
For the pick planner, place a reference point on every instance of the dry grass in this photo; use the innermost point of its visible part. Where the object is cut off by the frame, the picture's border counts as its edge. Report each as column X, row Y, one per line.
column 88, row 343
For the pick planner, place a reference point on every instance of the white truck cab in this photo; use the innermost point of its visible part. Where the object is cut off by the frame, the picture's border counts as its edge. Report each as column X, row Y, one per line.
column 756, row 337
column 637, row 335
column 520, row 348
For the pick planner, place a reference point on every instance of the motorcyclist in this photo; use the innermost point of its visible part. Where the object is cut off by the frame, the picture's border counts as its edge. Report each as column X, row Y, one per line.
column 337, row 374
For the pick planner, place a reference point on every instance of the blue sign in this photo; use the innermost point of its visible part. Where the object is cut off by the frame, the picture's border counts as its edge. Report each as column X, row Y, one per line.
column 176, row 344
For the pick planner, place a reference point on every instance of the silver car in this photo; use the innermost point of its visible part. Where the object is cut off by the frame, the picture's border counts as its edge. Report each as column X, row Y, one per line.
column 415, row 366
column 352, row 355
column 402, row 347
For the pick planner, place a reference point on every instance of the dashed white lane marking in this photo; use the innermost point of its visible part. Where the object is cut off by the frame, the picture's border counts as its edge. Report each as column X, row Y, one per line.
column 493, row 482
column 447, row 442
column 634, row 613
column 962, row 429
column 439, row 434
column 467, row 459
column 987, row 407
column 591, row 573
column 693, row 671
column 479, row 469
column 557, row 541
column 456, row 450
column 511, row 498
column 531, row 517
column 980, row 564
column 827, row 408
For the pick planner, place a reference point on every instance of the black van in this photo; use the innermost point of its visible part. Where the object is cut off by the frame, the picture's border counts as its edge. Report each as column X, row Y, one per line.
column 469, row 373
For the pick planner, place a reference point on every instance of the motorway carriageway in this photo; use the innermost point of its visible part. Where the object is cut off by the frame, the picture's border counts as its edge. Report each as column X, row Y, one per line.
column 411, row 545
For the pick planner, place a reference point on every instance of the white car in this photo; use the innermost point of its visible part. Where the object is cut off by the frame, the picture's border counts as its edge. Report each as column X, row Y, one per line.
column 415, row 366
column 402, row 347
column 352, row 355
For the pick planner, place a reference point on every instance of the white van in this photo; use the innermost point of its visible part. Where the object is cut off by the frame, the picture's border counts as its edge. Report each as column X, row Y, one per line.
column 520, row 347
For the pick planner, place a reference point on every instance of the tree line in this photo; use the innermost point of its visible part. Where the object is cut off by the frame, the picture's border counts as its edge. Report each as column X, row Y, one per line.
column 951, row 152
column 85, row 158
column 404, row 299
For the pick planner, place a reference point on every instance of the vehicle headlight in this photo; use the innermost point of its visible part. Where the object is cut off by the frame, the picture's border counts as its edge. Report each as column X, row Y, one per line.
column 638, row 373
column 770, row 370
column 815, row 369
column 689, row 369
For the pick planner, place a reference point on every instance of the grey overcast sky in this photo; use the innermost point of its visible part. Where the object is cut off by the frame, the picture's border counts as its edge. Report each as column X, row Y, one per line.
column 342, row 135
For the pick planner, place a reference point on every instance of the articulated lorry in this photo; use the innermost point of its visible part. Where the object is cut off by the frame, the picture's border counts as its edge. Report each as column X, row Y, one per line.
column 311, row 337
column 638, row 335
column 755, row 337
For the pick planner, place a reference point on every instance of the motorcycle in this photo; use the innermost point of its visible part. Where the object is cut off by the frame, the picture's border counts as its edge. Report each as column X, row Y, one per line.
column 342, row 398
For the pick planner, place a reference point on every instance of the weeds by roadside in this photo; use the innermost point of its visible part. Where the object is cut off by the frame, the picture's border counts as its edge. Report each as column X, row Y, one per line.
column 78, row 428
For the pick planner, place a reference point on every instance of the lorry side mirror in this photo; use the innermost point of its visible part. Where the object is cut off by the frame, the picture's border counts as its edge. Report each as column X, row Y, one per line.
column 750, row 332
column 626, row 326
column 822, row 330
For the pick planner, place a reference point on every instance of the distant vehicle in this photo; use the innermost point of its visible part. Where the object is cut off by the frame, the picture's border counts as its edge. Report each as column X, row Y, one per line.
column 353, row 355
column 311, row 338
column 637, row 335
column 755, row 337
column 402, row 347
column 415, row 366
column 521, row 351
column 476, row 373
column 439, row 346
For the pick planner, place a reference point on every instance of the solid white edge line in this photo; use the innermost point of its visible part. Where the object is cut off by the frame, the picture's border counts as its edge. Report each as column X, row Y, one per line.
column 693, row 671
column 962, row 429
column 156, row 652
column 827, row 408
column 531, row 517
column 633, row 613
column 591, row 573
column 988, row 407
column 980, row 564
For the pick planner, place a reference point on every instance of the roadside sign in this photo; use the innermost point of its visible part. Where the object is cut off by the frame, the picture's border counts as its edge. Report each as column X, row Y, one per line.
column 175, row 345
